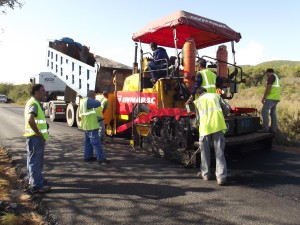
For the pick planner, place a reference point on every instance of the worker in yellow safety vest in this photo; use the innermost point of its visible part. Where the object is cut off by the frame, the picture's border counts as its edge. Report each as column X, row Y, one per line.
column 100, row 111
column 205, row 78
column 90, row 126
column 211, row 128
column 270, row 100
column 36, row 133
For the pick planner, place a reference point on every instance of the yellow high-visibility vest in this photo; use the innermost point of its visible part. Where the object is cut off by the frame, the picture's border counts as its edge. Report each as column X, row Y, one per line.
column 210, row 113
column 40, row 120
column 208, row 80
column 274, row 93
column 88, row 116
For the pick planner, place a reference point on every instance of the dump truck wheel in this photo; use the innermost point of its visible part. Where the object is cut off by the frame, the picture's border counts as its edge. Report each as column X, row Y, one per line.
column 71, row 115
column 78, row 119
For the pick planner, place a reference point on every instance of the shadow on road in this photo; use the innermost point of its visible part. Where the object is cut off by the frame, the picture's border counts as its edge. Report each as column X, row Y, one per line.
column 137, row 179
column 263, row 169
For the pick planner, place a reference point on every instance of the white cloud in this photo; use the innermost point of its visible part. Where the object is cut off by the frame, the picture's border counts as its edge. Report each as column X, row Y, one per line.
column 21, row 58
column 252, row 54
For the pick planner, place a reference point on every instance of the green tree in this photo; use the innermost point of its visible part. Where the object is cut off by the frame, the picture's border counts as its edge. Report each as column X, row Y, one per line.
column 12, row 4
column 297, row 71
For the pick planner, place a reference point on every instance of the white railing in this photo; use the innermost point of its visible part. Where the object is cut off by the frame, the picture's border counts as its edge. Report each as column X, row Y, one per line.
column 77, row 75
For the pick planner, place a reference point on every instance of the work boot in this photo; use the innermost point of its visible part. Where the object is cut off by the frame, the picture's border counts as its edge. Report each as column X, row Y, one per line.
column 222, row 182
column 44, row 189
column 205, row 177
column 90, row 159
column 104, row 162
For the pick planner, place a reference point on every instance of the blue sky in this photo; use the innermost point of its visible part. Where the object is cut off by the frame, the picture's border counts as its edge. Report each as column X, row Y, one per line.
column 269, row 29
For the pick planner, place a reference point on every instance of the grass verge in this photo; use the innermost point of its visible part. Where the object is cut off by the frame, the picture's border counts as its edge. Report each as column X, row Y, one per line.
column 15, row 205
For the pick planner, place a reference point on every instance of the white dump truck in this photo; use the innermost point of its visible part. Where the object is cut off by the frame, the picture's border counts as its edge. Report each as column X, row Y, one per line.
column 80, row 71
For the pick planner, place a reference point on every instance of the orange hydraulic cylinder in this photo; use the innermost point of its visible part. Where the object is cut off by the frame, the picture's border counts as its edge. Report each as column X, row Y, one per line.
column 222, row 54
column 189, row 62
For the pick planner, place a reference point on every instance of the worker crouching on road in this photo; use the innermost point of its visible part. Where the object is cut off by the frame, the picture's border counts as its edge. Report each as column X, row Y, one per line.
column 36, row 133
column 211, row 128
column 90, row 125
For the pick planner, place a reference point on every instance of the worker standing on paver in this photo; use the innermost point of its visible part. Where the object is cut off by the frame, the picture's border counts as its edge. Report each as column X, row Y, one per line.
column 270, row 100
column 205, row 78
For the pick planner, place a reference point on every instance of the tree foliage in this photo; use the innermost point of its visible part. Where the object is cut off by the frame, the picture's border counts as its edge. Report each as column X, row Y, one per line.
column 5, row 88
column 255, row 75
column 12, row 4
column 19, row 93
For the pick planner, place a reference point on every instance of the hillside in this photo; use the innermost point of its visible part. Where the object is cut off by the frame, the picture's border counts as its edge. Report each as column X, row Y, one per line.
column 279, row 63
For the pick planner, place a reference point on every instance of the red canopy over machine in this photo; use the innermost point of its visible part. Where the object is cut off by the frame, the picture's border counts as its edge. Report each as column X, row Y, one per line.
column 182, row 25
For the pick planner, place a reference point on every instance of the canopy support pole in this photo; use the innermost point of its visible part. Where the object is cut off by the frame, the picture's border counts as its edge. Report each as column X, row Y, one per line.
column 175, row 40
column 233, row 52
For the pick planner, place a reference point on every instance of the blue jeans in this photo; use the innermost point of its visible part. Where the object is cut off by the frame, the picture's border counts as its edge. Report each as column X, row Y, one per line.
column 92, row 141
column 101, row 129
column 156, row 74
column 219, row 146
column 35, row 156
column 269, row 106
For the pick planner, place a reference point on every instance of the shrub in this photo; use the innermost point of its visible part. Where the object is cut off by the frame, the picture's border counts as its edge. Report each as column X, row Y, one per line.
column 289, row 125
column 242, row 86
column 5, row 88
column 20, row 93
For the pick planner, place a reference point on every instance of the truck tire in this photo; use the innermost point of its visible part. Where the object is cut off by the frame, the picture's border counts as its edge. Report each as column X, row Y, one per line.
column 52, row 110
column 46, row 107
column 78, row 119
column 71, row 114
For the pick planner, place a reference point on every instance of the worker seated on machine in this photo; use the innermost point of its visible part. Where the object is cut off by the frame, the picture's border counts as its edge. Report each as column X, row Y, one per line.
column 160, row 61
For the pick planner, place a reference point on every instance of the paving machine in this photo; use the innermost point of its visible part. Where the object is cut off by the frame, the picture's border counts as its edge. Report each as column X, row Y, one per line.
column 155, row 115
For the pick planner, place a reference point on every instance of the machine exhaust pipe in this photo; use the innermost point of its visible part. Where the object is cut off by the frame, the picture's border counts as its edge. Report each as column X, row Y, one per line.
column 135, row 64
